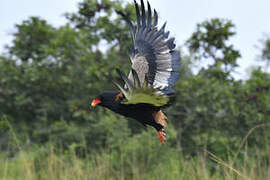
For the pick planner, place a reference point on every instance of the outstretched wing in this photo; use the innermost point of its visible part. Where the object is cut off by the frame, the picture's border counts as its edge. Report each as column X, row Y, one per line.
column 153, row 55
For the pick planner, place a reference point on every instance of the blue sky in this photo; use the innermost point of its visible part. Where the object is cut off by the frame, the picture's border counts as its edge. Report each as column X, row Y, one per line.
column 252, row 20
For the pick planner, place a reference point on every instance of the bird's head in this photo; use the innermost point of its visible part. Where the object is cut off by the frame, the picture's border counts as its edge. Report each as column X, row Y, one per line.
column 107, row 99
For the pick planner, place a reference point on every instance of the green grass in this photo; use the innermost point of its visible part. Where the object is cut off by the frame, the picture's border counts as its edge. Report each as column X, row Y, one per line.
column 48, row 163
column 139, row 157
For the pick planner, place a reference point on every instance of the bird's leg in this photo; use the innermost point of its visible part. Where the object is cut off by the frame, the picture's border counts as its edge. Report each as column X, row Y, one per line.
column 119, row 96
column 161, row 134
column 160, row 118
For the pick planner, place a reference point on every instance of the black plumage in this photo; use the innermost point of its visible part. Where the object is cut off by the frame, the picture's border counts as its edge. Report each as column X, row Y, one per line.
column 141, row 112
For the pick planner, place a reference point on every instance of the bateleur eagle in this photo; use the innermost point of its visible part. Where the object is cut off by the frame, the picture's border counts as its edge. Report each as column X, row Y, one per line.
column 154, row 64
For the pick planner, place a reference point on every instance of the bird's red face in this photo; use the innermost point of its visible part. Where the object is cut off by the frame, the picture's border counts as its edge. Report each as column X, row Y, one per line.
column 95, row 102
column 106, row 99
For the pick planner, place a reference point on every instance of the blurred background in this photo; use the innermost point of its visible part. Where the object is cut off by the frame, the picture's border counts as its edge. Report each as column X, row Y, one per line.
column 56, row 56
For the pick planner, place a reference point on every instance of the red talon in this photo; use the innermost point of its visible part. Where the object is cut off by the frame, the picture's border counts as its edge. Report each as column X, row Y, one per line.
column 161, row 135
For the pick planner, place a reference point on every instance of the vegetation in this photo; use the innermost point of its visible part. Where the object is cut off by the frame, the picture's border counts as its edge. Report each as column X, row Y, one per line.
column 133, row 162
column 219, row 126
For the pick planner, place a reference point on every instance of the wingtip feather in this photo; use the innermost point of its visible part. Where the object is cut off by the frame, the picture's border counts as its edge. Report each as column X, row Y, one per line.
column 125, row 79
column 136, row 79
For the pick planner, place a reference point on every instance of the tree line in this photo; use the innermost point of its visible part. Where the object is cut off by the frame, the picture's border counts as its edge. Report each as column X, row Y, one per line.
column 49, row 76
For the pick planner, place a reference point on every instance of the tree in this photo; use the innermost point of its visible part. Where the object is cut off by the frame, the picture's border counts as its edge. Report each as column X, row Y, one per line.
column 265, row 54
column 31, row 39
column 51, row 73
column 100, row 24
column 210, row 41
column 212, row 111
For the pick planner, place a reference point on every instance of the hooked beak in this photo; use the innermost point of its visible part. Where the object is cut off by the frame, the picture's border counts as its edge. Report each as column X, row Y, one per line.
column 95, row 102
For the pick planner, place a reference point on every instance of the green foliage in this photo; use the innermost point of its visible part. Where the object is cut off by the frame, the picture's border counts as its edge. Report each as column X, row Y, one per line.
column 265, row 55
column 51, row 74
column 210, row 40
column 31, row 39
column 98, row 21
column 143, row 160
column 208, row 110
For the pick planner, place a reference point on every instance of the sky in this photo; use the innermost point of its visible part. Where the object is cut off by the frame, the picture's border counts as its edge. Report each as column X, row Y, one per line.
column 252, row 20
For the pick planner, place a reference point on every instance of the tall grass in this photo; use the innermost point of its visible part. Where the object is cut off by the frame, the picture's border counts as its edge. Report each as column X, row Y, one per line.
column 52, row 165
column 142, row 157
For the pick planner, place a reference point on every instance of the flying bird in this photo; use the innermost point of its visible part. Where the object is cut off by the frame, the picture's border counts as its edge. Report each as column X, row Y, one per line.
column 154, row 65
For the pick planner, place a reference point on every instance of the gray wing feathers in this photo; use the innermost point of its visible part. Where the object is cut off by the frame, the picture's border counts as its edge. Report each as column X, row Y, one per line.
column 140, row 65
column 138, row 14
column 166, row 66
column 153, row 55
column 149, row 20
column 143, row 15
column 155, row 18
